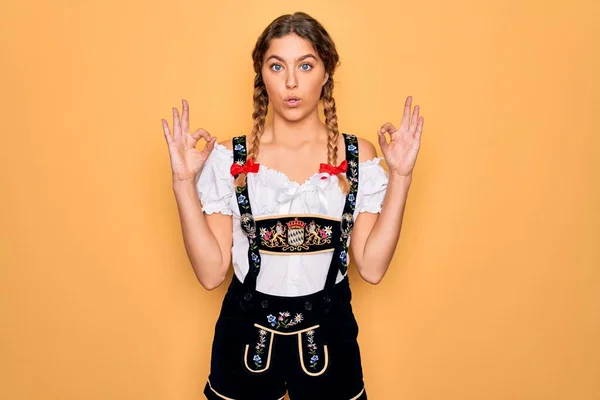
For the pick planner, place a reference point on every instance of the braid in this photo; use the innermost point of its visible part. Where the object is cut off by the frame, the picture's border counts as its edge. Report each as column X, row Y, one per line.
column 261, row 103
column 332, row 127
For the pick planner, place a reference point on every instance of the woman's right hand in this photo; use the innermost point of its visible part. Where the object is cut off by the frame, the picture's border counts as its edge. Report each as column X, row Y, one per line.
column 186, row 161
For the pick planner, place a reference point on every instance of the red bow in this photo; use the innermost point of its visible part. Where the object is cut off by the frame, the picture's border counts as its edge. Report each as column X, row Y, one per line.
column 249, row 166
column 332, row 170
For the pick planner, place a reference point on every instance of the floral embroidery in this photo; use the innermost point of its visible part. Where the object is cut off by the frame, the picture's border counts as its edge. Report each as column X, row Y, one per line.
column 352, row 199
column 260, row 348
column 312, row 349
column 344, row 257
column 240, row 148
column 352, row 156
column 266, row 235
column 242, row 199
column 284, row 320
column 296, row 235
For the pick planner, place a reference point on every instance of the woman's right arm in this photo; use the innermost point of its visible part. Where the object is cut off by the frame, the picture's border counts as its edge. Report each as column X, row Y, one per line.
column 207, row 238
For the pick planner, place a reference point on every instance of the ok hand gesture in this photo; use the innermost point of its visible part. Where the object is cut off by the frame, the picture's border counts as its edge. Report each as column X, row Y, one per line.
column 401, row 152
column 186, row 161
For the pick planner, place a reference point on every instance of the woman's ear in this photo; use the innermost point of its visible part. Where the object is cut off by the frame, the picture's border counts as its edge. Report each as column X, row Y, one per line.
column 326, row 78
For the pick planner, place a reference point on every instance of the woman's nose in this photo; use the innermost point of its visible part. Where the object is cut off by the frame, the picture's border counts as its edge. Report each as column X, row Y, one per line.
column 291, row 82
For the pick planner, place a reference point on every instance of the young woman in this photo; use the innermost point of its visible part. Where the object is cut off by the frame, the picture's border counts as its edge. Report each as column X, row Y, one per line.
column 268, row 204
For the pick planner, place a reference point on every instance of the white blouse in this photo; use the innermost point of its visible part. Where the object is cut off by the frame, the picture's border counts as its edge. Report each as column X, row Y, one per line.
column 272, row 193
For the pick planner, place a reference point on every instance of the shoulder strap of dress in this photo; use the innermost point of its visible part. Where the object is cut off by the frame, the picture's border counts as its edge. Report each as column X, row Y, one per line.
column 340, row 255
column 239, row 149
column 351, row 142
column 247, row 222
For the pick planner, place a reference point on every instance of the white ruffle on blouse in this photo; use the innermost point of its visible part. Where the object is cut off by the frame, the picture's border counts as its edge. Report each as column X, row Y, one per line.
column 272, row 193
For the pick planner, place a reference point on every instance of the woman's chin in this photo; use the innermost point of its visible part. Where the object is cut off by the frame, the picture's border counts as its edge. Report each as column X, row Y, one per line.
column 294, row 114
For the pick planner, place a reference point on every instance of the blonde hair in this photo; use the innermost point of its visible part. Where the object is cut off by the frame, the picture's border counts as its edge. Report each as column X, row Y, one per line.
column 309, row 29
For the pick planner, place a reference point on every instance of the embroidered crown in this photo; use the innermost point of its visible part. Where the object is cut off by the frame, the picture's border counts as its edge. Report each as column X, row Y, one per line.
column 296, row 224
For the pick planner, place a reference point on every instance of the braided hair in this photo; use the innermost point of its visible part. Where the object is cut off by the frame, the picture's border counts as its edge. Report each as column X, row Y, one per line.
column 311, row 30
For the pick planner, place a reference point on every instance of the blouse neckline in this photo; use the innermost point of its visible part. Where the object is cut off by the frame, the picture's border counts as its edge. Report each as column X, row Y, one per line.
column 273, row 171
column 265, row 169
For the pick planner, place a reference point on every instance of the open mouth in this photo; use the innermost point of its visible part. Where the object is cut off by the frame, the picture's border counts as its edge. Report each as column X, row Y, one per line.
column 292, row 101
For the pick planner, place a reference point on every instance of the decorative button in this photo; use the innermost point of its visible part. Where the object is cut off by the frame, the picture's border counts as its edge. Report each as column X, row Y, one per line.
column 248, row 224
column 308, row 305
column 347, row 223
column 327, row 299
column 247, row 296
column 264, row 304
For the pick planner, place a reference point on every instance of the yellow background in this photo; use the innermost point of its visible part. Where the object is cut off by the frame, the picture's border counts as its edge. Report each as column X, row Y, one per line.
column 494, row 292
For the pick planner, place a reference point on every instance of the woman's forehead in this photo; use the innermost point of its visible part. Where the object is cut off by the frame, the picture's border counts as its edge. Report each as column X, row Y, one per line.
column 290, row 48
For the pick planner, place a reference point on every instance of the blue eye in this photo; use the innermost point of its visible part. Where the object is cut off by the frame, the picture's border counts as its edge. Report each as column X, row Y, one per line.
column 306, row 65
column 276, row 67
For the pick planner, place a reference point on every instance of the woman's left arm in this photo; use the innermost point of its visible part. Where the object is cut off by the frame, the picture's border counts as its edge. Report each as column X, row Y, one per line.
column 375, row 236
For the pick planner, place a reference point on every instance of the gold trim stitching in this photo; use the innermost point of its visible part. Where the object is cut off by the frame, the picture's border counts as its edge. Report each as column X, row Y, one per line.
column 278, row 253
column 286, row 333
column 302, row 358
column 359, row 394
column 267, row 364
column 298, row 216
column 217, row 393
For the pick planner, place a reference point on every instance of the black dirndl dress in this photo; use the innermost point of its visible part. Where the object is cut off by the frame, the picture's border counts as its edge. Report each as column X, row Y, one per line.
column 265, row 345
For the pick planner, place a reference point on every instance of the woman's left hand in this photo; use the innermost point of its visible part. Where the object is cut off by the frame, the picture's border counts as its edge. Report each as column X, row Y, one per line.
column 401, row 152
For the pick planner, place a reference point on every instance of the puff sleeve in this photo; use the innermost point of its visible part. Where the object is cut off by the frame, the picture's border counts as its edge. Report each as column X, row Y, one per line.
column 214, row 183
column 373, row 180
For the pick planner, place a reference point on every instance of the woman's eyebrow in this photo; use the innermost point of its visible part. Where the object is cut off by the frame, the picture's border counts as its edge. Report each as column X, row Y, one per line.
column 304, row 57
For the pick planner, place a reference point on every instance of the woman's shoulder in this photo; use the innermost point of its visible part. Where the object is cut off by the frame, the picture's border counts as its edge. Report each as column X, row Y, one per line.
column 221, row 154
column 228, row 144
column 366, row 149
column 223, row 150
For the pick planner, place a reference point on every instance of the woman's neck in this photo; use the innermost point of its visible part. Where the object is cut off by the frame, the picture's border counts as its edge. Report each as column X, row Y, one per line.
column 307, row 130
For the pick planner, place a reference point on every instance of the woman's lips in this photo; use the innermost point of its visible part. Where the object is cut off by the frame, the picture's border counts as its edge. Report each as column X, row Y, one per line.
column 292, row 102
